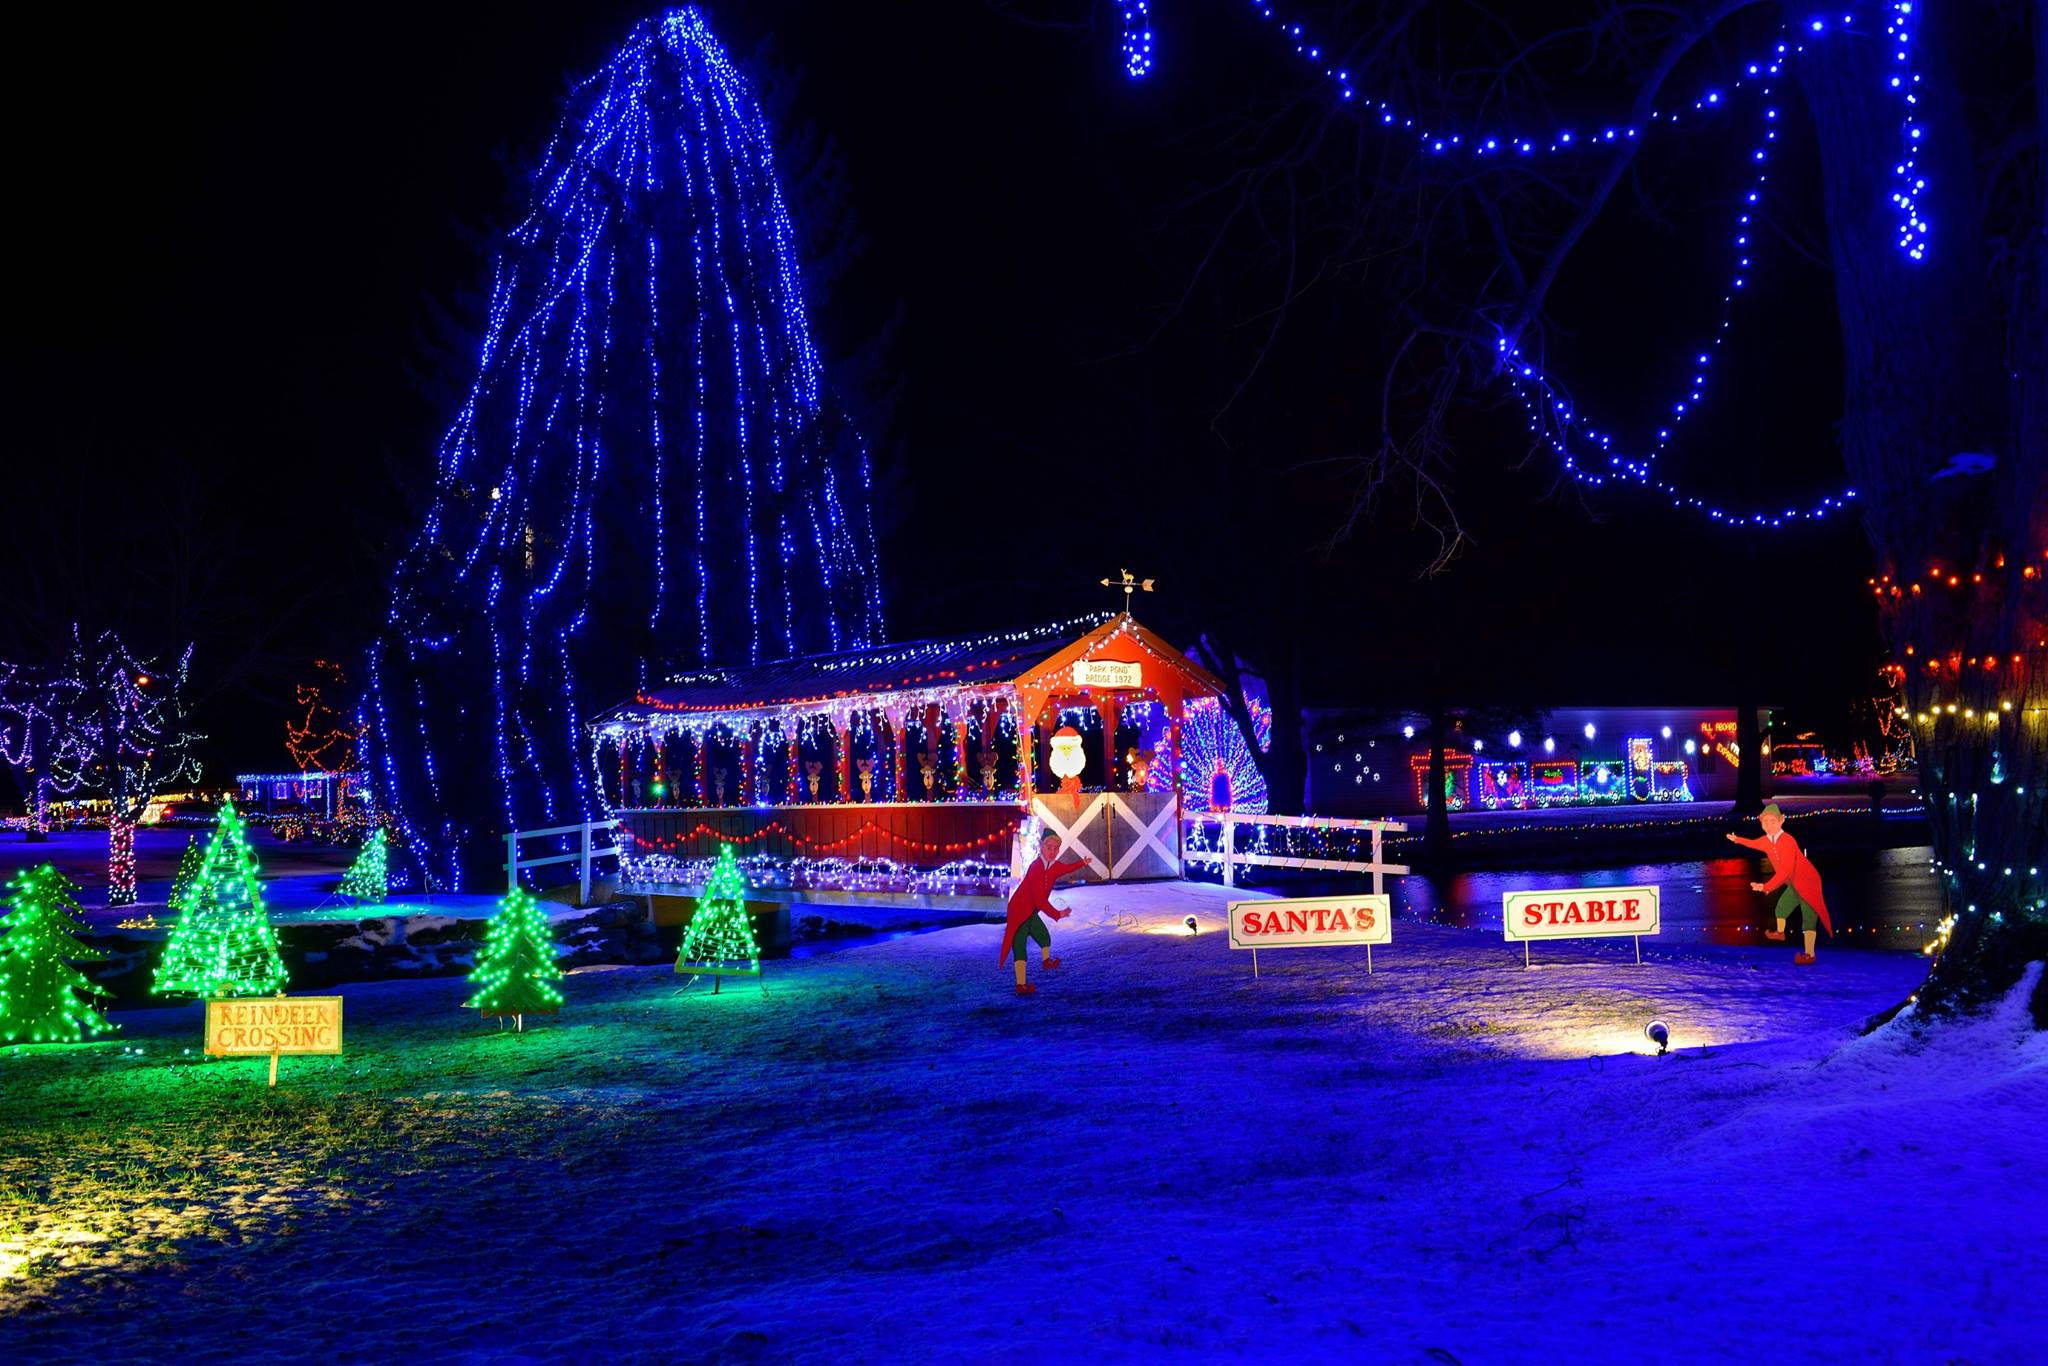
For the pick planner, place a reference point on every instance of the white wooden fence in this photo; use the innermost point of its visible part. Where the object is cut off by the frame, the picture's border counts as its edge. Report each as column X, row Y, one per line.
column 1227, row 854
column 584, row 854
column 1230, row 857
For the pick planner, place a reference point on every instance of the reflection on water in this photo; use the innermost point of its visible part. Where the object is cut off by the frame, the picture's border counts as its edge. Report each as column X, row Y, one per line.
column 1880, row 898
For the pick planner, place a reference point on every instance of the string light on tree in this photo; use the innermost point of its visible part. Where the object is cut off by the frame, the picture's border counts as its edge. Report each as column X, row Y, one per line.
column 1901, row 20
column 652, row 287
column 1551, row 419
column 1137, row 43
column 36, row 735
column 323, row 737
column 1901, row 23
column 127, row 740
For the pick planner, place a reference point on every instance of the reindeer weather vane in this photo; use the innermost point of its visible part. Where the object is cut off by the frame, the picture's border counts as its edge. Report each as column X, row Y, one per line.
column 1130, row 584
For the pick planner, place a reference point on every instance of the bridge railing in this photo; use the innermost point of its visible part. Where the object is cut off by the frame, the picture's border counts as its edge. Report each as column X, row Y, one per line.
column 1230, row 858
column 583, row 855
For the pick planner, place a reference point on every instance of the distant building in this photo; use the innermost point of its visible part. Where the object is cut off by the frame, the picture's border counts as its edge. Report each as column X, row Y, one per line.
column 315, row 795
column 1567, row 756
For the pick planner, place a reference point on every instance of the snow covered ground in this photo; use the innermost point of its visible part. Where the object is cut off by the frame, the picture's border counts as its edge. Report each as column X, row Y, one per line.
column 886, row 1156
column 299, row 880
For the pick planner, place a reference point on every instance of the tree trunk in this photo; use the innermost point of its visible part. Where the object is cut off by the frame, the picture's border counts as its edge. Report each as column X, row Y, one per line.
column 120, row 858
column 1285, row 765
column 1749, row 761
column 1436, row 826
column 39, row 811
column 1960, row 555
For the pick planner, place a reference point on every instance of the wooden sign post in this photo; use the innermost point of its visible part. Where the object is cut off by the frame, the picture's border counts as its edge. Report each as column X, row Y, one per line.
column 1579, row 913
column 1311, row 922
column 252, row 1027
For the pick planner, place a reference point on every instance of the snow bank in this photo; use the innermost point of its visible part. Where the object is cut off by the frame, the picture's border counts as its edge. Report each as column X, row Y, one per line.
column 886, row 1156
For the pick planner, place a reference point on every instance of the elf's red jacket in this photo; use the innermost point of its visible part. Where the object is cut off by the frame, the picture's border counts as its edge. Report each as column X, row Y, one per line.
column 1032, row 894
column 1789, row 864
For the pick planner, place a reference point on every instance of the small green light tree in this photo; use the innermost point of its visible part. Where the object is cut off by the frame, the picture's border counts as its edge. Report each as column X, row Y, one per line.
column 368, row 878
column 189, row 864
column 719, row 940
column 516, row 971
column 43, row 999
column 223, row 944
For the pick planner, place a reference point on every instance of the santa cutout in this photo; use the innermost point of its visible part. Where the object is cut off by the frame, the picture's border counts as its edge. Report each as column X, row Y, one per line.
column 1067, row 760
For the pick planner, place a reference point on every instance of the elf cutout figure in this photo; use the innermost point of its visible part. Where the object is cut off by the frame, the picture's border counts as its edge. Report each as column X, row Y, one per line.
column 1033, row 897
column 1790, row 869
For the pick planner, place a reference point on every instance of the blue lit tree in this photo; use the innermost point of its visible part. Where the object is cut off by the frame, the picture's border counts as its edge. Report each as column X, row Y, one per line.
column 649, row 468
column 1480, row 166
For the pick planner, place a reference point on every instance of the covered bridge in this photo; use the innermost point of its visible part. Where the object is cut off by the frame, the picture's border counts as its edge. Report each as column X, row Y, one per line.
column 914, row 763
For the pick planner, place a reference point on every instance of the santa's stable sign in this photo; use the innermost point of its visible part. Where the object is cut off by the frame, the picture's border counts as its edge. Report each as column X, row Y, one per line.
column 1311, row 922
column 1580, row 913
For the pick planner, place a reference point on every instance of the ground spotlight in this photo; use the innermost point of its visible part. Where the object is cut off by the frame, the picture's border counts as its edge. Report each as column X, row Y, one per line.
column 1193, row 928
column 1658, row 1033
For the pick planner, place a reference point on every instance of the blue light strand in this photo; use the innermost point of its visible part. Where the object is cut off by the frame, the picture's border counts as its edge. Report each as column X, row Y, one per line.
column 1488, row 143
column 1137, row 41
column 514, row 557
column 1901, row 21
column 1552, row 420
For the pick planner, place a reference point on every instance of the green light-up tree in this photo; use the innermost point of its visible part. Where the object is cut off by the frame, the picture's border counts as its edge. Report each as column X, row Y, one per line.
column 43, row 999
column 223, row 943
column 367, row 878
column 719, row 940
column 189, row 864
column 516, row 972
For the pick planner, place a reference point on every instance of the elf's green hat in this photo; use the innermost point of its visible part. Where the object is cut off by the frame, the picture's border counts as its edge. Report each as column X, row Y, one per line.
column 1772, row 810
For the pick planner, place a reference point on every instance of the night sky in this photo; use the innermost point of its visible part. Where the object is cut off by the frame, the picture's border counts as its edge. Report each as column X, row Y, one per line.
column 252, row 247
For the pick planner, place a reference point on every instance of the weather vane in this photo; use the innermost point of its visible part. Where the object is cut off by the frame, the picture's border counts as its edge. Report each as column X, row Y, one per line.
column 1130, row 585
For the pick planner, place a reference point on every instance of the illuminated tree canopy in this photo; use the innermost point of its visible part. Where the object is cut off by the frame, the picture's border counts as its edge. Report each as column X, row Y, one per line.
column 648, row 471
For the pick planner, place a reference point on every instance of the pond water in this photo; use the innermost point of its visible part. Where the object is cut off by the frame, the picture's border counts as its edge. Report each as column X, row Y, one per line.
column 1880, row 898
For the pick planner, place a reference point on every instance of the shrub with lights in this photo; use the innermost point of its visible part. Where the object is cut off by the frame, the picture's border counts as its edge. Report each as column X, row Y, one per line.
column 43, row 998
column 223, row 943
column 516, row 971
